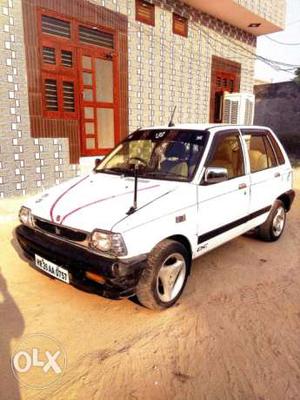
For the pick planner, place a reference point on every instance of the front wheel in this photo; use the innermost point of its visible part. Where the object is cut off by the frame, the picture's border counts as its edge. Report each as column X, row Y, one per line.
column 272, row 229
column 164, row 277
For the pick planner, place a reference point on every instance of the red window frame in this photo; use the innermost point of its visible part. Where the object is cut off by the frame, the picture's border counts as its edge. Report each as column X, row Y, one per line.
column 72, row 74
column 58, row 67
column 57, row 71
column 99, row 53
column 139, row 4
column 184, row 21
column 60, row 113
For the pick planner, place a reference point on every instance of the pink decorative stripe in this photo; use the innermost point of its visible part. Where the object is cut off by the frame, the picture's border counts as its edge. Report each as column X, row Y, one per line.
column 62, row 195
column 104, row 199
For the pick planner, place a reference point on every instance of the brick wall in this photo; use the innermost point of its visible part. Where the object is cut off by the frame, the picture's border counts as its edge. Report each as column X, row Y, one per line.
column 26, row 164
column 273, row 11
column 167, row 70
column 164, row 70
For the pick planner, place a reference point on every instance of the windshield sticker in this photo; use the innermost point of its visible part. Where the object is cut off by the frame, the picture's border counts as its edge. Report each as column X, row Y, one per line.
column 181, row 135
column 160, row 135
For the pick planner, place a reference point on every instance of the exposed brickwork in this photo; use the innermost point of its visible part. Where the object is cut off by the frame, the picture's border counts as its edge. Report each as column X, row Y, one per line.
column 164, row 70
column 26, row 164
column 41, row 126
column 273, row 11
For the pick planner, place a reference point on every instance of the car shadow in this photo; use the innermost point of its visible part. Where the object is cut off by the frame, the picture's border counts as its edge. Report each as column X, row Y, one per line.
column 17, row 247
column 11, row 326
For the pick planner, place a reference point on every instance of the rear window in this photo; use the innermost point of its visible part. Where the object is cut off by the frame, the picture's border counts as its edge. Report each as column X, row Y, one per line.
column 261, row 153
column 279, row 155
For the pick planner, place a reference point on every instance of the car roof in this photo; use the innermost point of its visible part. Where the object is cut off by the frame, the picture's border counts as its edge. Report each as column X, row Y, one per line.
column 210, row 127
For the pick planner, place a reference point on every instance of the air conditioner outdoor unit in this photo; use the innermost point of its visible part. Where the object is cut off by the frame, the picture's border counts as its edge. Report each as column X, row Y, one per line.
column 238, row 108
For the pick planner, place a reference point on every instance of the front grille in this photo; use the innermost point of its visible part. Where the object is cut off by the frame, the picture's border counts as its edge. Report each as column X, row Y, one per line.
column 63, row 232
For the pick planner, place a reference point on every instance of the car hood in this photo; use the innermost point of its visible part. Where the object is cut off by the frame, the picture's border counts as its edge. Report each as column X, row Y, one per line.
column 96, row 200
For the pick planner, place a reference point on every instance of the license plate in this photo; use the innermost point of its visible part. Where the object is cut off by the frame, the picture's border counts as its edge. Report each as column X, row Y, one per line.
column 52, row 269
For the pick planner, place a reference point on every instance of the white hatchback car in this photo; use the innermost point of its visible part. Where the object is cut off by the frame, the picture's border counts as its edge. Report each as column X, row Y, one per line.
column 161, row 198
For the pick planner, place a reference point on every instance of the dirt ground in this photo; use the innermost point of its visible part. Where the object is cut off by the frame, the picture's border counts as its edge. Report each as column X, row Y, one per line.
column 235, row 334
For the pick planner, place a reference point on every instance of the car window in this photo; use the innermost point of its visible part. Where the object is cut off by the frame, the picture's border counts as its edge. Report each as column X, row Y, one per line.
column 261, row 154
column 272, row 162
column 227, row 153
column 280, row 156
column 171, row 154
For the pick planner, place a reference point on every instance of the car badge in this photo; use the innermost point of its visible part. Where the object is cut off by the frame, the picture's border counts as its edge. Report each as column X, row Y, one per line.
column 57, row 230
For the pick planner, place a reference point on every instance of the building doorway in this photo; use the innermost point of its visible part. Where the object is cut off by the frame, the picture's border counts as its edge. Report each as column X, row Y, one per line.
column 225, row 77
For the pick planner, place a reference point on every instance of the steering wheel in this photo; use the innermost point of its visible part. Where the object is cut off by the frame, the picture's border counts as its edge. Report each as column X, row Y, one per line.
column 144, row 162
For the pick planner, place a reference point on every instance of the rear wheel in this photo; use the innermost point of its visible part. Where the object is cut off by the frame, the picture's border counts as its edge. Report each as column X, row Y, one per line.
column 272, row 229
column 164, row 277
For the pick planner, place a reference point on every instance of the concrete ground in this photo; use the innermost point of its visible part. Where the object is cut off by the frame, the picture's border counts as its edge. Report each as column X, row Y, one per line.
column 235, row 333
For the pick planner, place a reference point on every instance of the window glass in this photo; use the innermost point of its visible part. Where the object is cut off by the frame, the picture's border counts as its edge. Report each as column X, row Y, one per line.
column 261, row 154
column 276, row 147
column 105, row 127
column 88, row 112
column 270, row 153
column 257, row 152
column 86, row 62
column 87, row 78
column 161, row 154
column 104, row 80
column 89, row 128
column 90, row 143
column 88, row 95
column 228, row 154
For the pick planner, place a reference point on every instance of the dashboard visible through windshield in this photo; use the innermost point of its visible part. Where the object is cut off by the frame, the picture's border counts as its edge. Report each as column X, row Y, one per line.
column 171, row 154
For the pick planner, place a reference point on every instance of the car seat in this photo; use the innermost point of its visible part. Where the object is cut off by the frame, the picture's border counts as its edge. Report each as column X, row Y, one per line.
column 223, row 158
column 175, row 162
column 258, row 160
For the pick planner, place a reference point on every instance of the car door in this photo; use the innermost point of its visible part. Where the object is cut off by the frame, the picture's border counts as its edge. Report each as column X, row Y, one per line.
column 265, row 178
column 223, row 207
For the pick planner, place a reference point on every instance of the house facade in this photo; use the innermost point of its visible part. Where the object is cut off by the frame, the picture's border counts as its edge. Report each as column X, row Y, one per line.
column 78, row 75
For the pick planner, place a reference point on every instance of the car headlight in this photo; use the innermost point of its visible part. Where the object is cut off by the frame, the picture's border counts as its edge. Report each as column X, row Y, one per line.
column 26, row 217
column 108, row 242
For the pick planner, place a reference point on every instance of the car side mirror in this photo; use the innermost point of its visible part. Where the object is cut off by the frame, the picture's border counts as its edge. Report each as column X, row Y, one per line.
column 215, row 175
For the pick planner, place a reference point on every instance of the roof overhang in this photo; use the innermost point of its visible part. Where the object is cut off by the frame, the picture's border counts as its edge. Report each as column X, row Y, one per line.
column 235, row 14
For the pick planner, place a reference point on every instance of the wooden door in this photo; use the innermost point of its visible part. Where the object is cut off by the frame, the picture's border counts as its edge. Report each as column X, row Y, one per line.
column 98, row 102
column 225, row 82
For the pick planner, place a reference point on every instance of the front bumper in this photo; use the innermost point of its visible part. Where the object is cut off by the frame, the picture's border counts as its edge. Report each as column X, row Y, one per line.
column 120, row 277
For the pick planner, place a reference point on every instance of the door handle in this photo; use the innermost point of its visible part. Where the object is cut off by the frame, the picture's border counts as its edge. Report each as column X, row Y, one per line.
column 277, row 175
column 242, row 186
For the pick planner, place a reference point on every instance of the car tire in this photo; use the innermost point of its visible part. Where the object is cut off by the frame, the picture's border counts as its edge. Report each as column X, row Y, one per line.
column 272, row 229
column 164, row 276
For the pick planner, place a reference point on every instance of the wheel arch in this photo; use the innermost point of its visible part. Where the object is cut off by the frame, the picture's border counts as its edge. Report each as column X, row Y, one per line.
column 287, row 199
column 186, row 243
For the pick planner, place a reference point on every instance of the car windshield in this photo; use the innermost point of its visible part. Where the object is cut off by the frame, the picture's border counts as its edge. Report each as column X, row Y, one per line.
column 171, row 154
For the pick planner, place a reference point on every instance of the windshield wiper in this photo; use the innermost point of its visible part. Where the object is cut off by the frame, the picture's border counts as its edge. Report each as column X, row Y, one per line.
column 165, row 174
